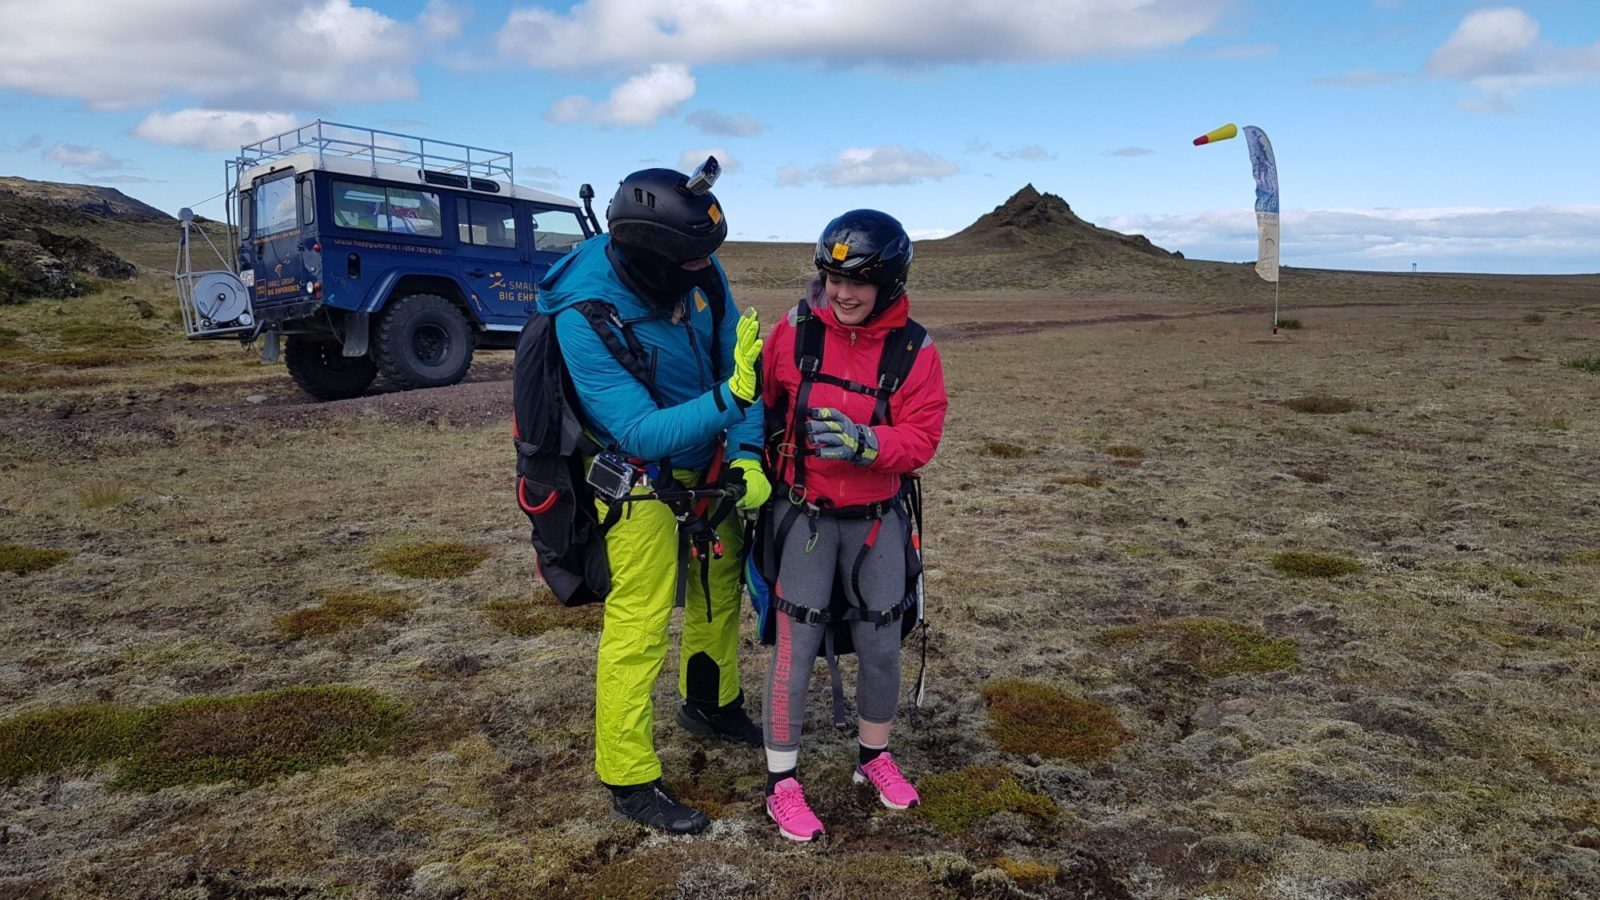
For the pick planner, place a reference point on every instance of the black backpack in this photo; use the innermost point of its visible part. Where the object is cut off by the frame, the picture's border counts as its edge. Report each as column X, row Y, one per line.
column 553, row 448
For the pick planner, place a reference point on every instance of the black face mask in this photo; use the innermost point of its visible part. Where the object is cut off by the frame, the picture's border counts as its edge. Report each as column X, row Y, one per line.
column 656, row 280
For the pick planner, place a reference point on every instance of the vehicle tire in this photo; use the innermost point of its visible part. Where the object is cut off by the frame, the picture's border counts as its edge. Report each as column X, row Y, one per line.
column 323, row 371
column 423, row 341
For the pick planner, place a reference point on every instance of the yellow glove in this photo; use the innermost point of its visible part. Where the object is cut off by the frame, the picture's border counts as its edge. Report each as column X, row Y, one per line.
column 756, row 486
column 744, row 384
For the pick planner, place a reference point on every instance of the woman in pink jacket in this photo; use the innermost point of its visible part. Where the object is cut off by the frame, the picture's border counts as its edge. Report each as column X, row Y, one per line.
column 848, row 422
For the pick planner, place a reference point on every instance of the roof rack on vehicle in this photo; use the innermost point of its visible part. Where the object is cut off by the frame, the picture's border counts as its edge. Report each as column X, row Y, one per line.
column 333, row 139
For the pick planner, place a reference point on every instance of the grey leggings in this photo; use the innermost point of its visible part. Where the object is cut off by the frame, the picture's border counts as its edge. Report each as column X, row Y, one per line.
column 807, row 578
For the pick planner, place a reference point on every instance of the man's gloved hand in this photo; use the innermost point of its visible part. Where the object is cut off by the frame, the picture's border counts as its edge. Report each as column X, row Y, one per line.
column 836, row 437
column 743, row 383
column 756, row 486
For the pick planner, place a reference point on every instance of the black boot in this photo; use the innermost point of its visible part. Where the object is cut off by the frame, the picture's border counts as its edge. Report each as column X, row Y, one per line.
column 728, row 723
column 654, row 806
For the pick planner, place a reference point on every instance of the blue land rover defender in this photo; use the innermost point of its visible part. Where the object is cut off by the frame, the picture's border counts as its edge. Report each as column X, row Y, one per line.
column 359, row 252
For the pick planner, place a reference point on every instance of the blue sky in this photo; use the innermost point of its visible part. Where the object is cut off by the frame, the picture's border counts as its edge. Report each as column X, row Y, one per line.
column 1458, row 136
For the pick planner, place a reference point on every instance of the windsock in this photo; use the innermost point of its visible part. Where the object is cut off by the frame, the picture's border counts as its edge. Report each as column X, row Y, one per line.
column 1217, row 134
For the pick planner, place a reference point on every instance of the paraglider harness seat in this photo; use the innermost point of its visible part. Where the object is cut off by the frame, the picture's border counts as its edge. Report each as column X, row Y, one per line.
column 778, row 519
column 562, row 469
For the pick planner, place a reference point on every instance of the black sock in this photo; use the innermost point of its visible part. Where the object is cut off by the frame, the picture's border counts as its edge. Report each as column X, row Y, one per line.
column 867, row 754
column 774, row 777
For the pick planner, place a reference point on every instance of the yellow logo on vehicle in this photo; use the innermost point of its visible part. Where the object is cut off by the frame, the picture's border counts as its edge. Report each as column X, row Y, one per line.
column 716, row 215
column 840, row 251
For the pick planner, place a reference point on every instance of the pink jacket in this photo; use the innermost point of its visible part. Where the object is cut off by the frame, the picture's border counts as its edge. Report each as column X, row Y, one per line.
column 916, row 410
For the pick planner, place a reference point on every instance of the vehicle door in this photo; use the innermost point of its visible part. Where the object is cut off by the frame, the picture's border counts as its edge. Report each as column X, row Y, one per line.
column 280, row 205
column 492, row 255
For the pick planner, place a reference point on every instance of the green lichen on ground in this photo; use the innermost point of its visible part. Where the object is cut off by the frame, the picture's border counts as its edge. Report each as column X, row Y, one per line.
column 1006, row 450
column 1125, row 451
column 521, row 617
column 1027, row 872
column 1582, row 558
column 49, row 740
column 20, row 560
column 251, row 737
column 1299, row 564
column 1028, row 717
column 341, row 611
column 1215, row 647
column 441, row 559
column 953, row 802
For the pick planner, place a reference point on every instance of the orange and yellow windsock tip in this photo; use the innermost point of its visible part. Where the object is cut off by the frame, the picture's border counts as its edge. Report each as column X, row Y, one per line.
column 1217, row 134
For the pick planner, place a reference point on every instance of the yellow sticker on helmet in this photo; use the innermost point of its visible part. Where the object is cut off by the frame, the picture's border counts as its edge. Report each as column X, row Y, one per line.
column 840, row 251
column 716, row 215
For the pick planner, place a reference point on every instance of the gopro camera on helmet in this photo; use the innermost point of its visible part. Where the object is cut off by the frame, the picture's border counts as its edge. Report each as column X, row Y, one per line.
column 705, row 175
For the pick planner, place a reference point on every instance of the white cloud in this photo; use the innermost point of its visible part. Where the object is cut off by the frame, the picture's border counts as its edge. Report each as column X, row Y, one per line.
column 213, row 129
column 725, row 125
column 1487, row 42
column 545, row 177
column 442, row 20
column 1032, row 152
column 77, row 156
column 628, row 33
column 1130, row 151
column 641, row 100
column 863, row 166
column 1531, row 239
column 225, row 53
column 1498, row 53
column 694, row 157
column 976, row 146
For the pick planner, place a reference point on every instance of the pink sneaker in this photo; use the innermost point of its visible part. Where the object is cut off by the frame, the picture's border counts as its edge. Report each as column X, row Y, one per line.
column 894, row 791
column 787, row 806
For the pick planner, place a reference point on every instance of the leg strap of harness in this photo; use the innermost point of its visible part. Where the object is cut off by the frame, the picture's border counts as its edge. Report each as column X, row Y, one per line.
column 805, row 615
column 840, row 718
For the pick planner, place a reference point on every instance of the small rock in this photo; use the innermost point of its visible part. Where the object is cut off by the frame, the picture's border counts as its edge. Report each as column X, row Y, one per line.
column 4, row 513
column 1206, row 716
column 1238, row 706
column 61, row 409
column 256, row 399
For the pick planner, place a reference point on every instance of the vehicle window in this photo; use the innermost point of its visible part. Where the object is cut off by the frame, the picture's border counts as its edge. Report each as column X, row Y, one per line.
column 274, row 206
column 244, row 213
column 486, row 223
column 556, row 230
column 308, row 203
column 378, row 208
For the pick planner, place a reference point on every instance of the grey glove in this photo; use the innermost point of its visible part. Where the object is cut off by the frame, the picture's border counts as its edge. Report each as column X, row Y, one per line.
column 834, row 436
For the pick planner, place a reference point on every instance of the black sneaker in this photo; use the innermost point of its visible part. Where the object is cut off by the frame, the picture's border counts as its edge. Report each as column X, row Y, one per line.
column 654, row 806
column 728, row 723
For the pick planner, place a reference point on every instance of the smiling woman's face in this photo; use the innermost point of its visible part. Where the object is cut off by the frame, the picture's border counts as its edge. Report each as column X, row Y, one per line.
column 851, row 301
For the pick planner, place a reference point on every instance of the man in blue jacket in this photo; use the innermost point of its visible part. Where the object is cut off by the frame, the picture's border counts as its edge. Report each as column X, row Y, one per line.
column 656, row 269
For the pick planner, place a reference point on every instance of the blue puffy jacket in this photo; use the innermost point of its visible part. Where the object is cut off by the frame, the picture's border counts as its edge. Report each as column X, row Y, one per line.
column 615, row 406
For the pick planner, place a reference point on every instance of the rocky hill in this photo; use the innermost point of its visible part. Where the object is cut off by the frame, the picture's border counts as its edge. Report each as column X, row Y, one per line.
column 38, row 260
column 1031, row 220
column 49, row 201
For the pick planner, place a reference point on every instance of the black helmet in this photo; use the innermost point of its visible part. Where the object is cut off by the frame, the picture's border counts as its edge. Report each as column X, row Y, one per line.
column 870, row 246
column 655, row 213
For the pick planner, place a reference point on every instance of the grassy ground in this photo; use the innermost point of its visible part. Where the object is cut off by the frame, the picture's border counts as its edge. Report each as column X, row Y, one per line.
column 1217, row 613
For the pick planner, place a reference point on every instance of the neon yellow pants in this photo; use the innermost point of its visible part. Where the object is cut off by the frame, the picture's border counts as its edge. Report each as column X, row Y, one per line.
column 643, row 547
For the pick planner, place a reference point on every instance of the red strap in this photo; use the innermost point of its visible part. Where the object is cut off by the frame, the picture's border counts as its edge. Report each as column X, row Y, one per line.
column 528, row 508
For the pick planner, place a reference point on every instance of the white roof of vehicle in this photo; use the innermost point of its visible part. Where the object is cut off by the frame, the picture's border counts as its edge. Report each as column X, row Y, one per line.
column 348, row 165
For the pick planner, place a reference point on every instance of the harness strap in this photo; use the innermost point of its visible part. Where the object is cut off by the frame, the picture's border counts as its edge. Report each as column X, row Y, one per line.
column 841, row 720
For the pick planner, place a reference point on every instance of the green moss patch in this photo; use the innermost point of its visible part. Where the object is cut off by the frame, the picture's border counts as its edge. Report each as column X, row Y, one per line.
column 1320, row 404
column 955, row 801
column 1125, row 451
column 255, row 737
column 526, row 618
column 442, row 559
column 1590, row 364
column 20, row 560
column 1214, row 647
column 49, row 740
column 1582, row 558
column 1297, row 564
column 251, row 737
column 1006, row 450
column 1088, row 481
column 1028, row 717
column 341, row 611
